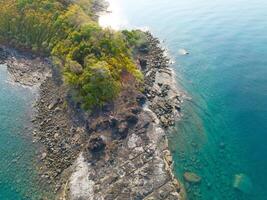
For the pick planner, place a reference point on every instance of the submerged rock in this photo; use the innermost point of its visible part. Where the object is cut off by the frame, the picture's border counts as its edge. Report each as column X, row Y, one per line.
column 243, row 183
column 192, row 177
column 183, row 52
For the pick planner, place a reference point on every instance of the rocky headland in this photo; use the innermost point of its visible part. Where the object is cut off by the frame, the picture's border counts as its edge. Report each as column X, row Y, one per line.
column 117, row 152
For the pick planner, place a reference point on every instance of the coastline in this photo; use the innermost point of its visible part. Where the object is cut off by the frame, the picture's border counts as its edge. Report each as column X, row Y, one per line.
column 27, row 71
column 141, row 160
column 164, row 97
column 127, row 140
column 66, row 135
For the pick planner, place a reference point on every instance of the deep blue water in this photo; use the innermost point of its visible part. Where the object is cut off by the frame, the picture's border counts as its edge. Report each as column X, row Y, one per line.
column 18, row 175
column 224, row 129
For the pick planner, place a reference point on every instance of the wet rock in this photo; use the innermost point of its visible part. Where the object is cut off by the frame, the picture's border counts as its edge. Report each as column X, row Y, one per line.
column 192, row 177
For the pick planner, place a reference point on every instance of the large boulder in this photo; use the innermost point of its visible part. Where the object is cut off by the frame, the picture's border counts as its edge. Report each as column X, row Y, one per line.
column 144, row 48
column 132, row 119
column 143, row 63
column 141, row 99
column 96, row 144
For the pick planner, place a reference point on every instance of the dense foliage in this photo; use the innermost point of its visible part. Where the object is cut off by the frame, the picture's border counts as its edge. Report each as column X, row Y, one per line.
column 92, row 59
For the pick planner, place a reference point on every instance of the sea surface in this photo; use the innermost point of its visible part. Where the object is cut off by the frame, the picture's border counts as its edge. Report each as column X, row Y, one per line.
column 223, row 133
column 18, row 174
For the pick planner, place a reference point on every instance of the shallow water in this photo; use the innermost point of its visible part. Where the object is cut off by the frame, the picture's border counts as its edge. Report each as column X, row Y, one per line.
column 18, row 175
column 223, row 131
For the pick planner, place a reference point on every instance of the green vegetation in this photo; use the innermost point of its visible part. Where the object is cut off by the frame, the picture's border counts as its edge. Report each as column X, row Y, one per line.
column 91, row 58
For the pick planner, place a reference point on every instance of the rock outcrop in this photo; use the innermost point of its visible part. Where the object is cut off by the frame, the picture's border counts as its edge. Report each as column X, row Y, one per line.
column 131, row 158
column 24, row 68
column 117, row 152
column 164, row 98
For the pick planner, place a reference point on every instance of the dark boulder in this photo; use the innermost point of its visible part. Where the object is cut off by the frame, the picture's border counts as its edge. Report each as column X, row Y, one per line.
column 132, row 119
column 96, row 144
column 143, row 63
column 136, row 110
column 113, row 122
column 141, row 99
column 107, row 108
column 144, row 48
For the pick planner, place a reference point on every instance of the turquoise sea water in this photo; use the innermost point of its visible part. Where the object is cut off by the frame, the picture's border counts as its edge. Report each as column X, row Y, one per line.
column 18, row 177
column 224, row 129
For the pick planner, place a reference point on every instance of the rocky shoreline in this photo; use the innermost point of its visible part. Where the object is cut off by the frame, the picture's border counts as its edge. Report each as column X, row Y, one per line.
column 126, row 154
column 118, row 152
column 24, row 68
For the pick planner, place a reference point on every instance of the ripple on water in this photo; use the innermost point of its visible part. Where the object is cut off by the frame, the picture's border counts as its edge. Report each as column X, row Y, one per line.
column 18, row 176
column 223, row 132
